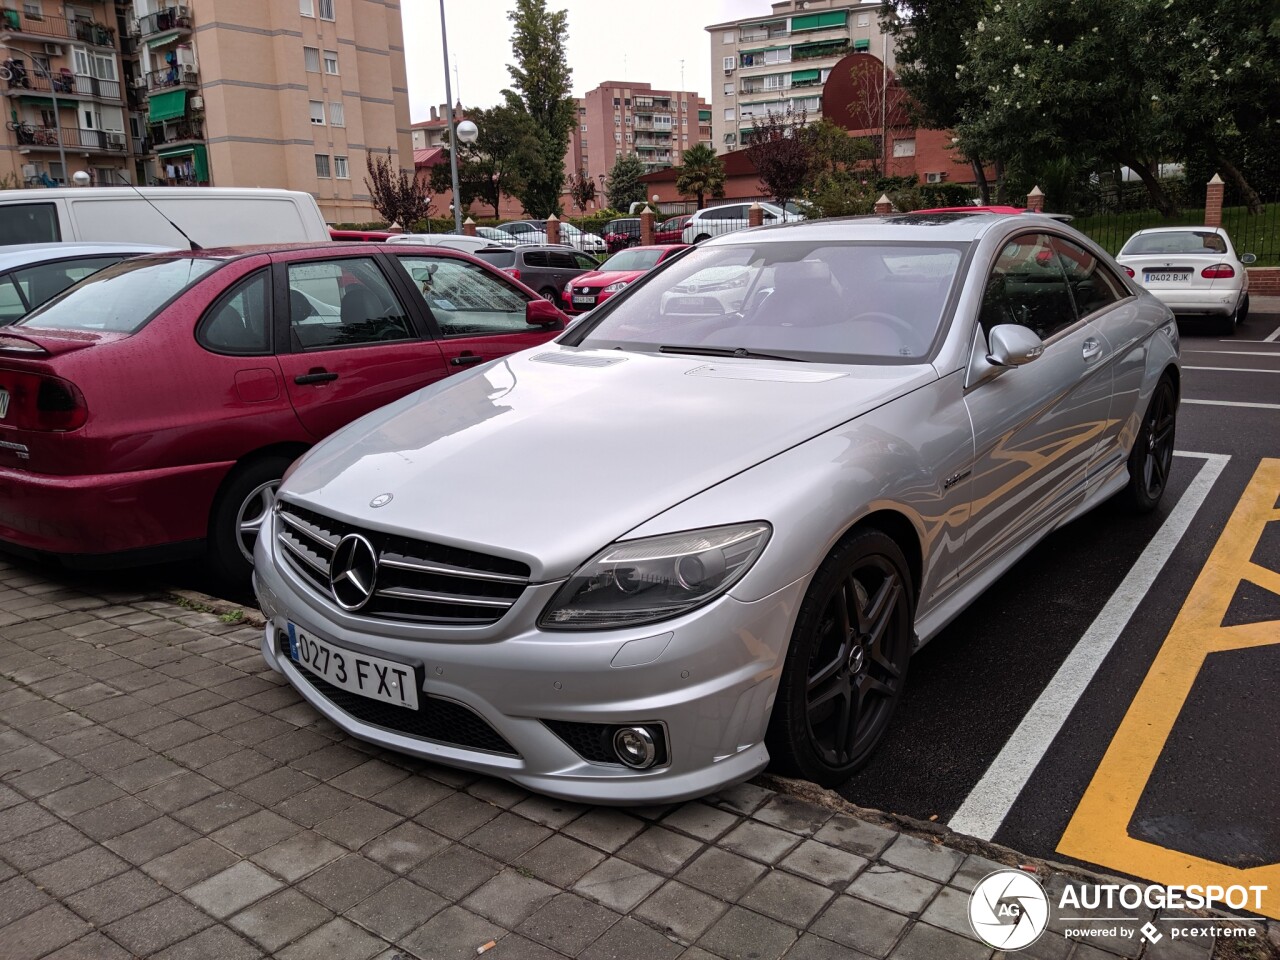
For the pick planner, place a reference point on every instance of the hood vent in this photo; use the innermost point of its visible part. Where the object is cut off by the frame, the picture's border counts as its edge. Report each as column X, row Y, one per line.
column 577, row 360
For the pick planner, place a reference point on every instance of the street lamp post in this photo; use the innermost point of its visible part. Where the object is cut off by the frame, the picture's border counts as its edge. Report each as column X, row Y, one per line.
column 465, row 132
column 53, row 97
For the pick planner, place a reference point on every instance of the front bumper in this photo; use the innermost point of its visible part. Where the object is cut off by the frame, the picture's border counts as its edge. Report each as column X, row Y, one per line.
column 708, row 679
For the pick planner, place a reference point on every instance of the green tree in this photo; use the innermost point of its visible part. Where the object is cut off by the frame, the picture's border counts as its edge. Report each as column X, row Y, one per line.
column 623, row 186
column 701, row 173
column 506, row 149
column 541, row 80
column 837, row 184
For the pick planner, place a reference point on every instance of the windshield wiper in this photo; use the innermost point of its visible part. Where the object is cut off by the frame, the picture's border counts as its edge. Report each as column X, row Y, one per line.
column 729, row 352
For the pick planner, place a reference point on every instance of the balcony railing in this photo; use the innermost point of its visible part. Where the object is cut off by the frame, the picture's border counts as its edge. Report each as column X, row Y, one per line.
column 176, row 133
column 163, row 21
column 176, row 76
column 70, row 83
column 819, row 50
column 56, row 28
column 105, row 141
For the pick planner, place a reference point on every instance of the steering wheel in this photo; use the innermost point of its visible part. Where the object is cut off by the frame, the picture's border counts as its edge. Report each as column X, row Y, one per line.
column 907, row 331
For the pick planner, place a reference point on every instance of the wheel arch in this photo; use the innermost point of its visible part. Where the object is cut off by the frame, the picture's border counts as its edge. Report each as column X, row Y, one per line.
column 292, row 449
column 899, row 528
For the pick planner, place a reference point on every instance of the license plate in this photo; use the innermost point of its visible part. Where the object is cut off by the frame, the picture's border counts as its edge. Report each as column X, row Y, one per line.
column 1167, row 277
column 4, row 403
column 579, row 298
column 372, row 677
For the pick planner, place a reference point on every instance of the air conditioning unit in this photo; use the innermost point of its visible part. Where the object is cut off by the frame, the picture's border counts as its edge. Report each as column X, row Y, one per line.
column 140, row 82
column 197, row 103
column 188, row 72
column 934, row 177
column 53, row 49
column 29, row 171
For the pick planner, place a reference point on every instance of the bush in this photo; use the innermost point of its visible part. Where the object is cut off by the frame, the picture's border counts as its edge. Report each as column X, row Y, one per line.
column 945, row 194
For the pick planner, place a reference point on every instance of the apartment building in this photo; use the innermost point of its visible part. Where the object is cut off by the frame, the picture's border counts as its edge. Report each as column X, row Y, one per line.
column 434, row 132
column 63, row 97
column 783, row 59
column 620, row 117
column 232, row 93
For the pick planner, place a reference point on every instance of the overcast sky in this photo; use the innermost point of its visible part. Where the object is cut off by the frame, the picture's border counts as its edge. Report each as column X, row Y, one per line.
column 659, row 33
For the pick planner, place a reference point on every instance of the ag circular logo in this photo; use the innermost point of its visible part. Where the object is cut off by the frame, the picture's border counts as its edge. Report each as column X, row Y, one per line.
column 1008, row 910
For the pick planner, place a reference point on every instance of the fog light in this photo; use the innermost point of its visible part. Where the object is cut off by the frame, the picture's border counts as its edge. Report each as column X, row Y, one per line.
column 635, row 747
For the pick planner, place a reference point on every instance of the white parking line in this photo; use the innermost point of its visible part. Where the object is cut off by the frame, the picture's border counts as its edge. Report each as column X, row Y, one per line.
column 1232, row 403
column 1232, row 369
column 984, row 810
column 1273, row 336
column 1235, row 353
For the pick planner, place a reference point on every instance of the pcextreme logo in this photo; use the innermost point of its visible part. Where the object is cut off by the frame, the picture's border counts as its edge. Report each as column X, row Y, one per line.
column 1009, row 910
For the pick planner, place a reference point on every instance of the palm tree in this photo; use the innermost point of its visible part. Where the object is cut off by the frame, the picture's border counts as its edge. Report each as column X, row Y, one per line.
column 701, row 173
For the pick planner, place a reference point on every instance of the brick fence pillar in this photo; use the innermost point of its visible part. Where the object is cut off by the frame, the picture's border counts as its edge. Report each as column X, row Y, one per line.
column 884, row 204
column 1213, row 202
column 553, row 229
column 755, row 215
column 468, row 227
column 1035, row 200
column 646, row 226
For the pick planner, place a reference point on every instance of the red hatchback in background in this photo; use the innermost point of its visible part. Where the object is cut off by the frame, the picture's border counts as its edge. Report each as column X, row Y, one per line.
column 671, row 231
column 365, row 236
column 151, row 409
column 589, row 290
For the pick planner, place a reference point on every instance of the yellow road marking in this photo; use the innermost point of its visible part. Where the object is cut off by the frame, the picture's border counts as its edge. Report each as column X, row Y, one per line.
column 1098, row 831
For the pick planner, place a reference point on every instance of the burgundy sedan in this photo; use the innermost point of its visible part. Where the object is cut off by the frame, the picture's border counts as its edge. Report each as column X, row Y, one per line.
column 588, row 290
column 671, row 231
column 150, row 410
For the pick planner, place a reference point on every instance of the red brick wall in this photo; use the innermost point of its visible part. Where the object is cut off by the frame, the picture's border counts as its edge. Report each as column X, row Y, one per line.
column 1264, row 281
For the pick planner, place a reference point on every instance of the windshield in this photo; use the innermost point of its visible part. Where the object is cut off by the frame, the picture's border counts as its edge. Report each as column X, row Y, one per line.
column 632, row 259
column 1174, row 242
column 810, row 300
column 499, row 258
column 121, row 298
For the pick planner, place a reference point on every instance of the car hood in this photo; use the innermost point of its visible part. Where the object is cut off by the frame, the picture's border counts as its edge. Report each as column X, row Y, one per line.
column 602, row 278
column 549, row 455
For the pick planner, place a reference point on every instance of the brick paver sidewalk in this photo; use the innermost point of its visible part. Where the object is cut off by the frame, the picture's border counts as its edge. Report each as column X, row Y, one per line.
column 162, row 793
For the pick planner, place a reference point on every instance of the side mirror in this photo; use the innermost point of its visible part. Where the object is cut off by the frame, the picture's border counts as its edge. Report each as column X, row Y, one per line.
column 542, row 313
column 1248, row 258
column 1011, row 345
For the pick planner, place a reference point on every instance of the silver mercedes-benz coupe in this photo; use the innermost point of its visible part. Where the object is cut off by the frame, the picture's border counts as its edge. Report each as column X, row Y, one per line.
column 706, row 528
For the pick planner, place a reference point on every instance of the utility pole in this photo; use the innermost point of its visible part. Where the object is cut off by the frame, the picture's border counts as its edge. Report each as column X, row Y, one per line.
column 453, row 127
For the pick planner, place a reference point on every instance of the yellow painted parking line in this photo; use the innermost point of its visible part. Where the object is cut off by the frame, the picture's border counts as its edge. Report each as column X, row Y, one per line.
column 1098, row 831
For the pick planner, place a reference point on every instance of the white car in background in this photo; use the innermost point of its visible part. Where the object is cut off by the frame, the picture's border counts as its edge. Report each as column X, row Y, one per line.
column 1195, row 271
column 535, row 232
column 450, row 241
column 713, row 221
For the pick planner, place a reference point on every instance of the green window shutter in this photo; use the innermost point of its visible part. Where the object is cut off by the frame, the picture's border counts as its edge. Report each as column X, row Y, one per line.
column 819, row 21
column 169, row 105
column 861, row 46
column 799, row 76
column 704, row 115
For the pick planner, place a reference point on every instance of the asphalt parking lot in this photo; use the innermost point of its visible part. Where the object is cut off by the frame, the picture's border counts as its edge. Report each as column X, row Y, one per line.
column 1112, row 699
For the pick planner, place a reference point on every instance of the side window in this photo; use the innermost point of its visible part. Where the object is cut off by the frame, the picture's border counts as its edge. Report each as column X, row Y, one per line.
column 29, row 223
column 584, row 262
column 12, row 306
column 239, row 323
column 466, row 299
column 44, row 281
column 1092, row 284
column 536, row 258
column 562, row 261
column 1027, row 286
column 343, row 303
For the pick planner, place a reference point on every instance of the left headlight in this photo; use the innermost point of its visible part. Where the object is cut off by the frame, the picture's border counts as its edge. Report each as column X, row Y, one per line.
column 615, row 287
column 641, row 581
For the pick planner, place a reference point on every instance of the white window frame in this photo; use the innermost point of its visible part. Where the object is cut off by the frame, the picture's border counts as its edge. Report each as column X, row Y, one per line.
column 327, row 57
column 307, row 8
column 311, row 59
column 728, row 37
column 326, row 5
column 730, row 62
column 904, row 147
column 341, row 169
column 328, row 170
column 337, row 114
column 317, row 112
column 730, row 113
column 728, row 89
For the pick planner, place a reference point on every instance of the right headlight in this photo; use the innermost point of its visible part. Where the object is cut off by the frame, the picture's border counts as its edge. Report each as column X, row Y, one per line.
column 642, row 581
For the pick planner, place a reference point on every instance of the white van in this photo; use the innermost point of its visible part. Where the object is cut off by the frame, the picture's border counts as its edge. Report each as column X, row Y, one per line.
column 210, row 216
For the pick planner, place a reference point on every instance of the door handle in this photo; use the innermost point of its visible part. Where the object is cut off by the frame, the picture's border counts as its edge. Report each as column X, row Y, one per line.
column 1092, row 349
column 315, row 376
column 465, row 360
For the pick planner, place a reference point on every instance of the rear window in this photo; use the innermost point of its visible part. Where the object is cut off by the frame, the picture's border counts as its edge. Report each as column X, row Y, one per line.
column 499, row 258
column 27, row 288
column 121, row 298
column 29, row 223
column 1174, row 242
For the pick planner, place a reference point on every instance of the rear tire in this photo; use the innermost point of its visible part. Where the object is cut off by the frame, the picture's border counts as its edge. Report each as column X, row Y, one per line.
column 1152, row 453
column 241, row 504
column 548, row 293
column 701, row 237
column 846, row 665
column 1242, row 312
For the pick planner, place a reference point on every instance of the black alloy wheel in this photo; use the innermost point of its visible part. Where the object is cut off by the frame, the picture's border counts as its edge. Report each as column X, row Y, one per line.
column 1152, row 454
column 847, row 664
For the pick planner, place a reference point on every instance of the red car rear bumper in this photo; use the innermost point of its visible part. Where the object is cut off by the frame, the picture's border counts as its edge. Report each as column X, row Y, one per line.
column 78, row 517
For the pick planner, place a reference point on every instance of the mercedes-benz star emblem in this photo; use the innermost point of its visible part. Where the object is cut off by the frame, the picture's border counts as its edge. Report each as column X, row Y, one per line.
column 353, row 572
column 381, row 500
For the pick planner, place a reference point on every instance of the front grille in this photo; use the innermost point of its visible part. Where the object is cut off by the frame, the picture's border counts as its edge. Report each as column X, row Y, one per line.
column 437, row 720
column 416, row 580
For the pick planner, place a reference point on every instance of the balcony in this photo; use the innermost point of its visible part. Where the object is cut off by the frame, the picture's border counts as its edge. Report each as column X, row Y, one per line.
column 763, row 31
column 181, row 75
column 72, row 138
column 814, row 51
column 170, row 20
column 64, row 85
column 19, row 26
column 188, row 131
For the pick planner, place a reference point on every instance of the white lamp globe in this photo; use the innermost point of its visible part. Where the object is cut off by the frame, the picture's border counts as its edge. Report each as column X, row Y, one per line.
column 467, row 132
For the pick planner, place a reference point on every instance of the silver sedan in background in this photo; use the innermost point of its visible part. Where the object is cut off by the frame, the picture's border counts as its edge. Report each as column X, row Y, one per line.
column 699, row 532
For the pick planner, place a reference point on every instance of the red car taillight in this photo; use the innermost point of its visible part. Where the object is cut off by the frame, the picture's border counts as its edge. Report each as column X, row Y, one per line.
column 512, row 271
column 1129, row 270
column 1219, row 271
column 39, row 402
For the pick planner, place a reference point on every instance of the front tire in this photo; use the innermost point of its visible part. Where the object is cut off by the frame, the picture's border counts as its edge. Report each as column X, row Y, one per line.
column 242, row 503
column 846, row 665
column 1152, row 453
